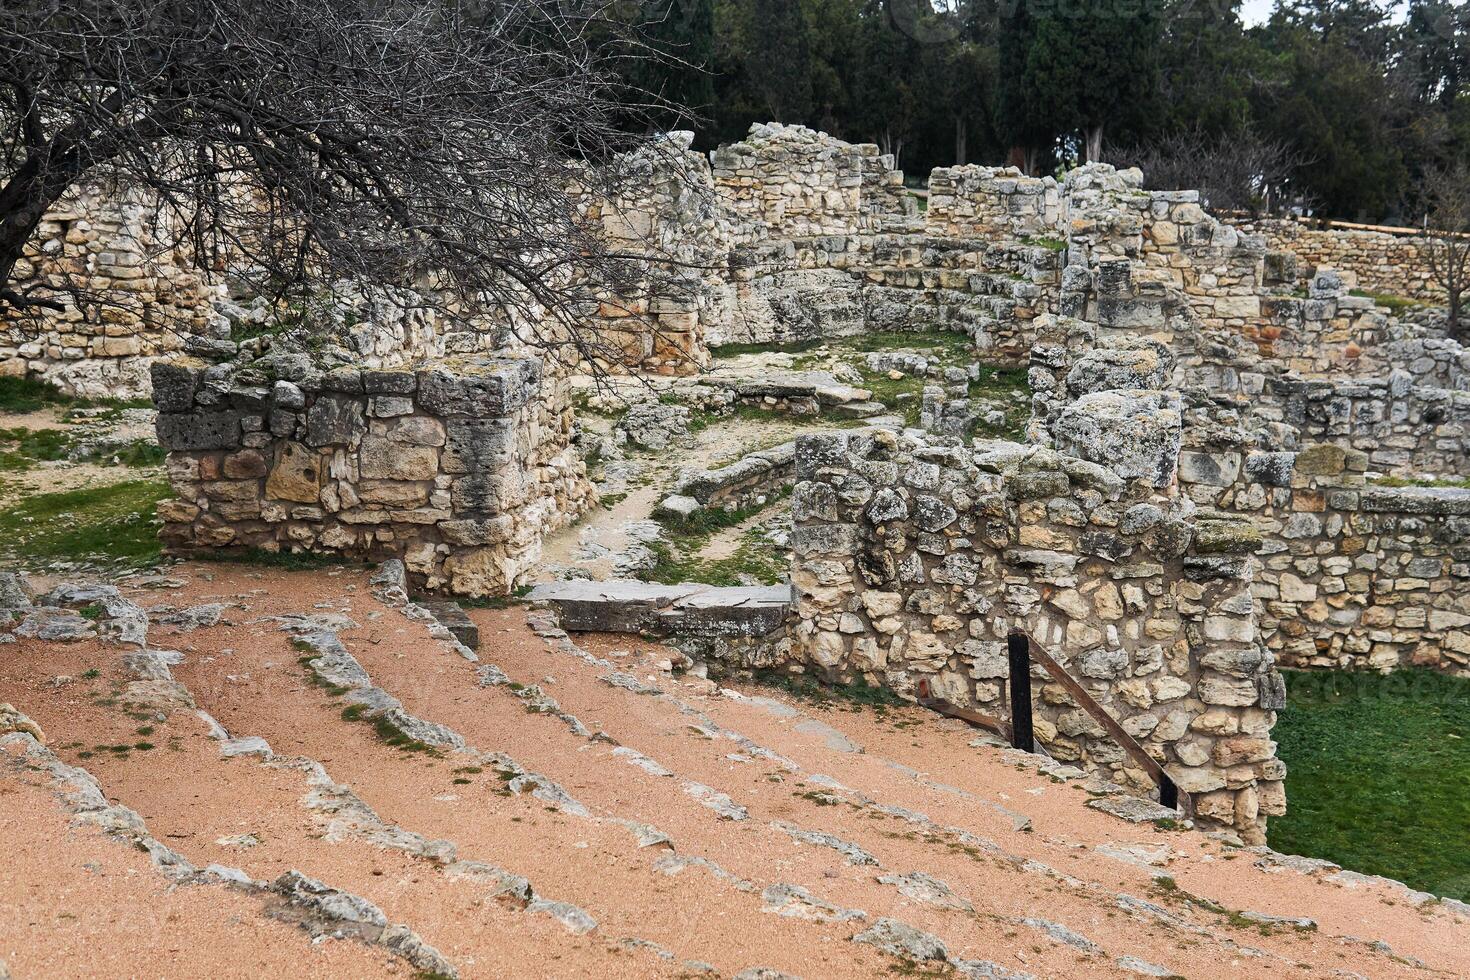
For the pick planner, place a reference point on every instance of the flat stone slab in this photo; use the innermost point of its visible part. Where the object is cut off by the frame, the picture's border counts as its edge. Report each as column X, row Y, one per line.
column 690, row 609
column 455, row 620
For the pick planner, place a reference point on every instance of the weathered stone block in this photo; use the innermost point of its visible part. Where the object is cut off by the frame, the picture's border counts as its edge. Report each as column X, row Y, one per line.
column 383, row 458
column 198, row 431
column 297, row 474
column 174, row 384
column 490, row 389
column 335, row 420
column 474, row 445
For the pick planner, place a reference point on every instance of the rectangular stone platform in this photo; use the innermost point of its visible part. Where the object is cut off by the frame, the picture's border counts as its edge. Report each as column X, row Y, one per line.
column 665, row 610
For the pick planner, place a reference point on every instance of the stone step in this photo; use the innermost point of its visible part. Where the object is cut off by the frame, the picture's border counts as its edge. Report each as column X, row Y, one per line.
column 859, row 410
column 227, row 929
column 826, row 826
column 452, row 617
column 579, row 853
column 863, row 834
column 666, row 610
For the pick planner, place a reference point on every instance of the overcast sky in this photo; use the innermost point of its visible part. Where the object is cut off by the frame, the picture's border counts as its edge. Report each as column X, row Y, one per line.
column 1256, row 11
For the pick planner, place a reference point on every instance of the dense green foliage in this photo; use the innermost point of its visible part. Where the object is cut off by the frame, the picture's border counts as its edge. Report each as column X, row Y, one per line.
column 1376, row 774
column 1364, row 101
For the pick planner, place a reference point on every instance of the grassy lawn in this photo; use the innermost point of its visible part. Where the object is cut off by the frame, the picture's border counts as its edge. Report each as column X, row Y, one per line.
column 110, row 525
column 1379, row 775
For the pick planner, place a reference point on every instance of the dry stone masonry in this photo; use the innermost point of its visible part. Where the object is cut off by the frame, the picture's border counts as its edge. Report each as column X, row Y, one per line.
column 1392, row 263
column 913, row 563
column 97, row 240
column 459, row 468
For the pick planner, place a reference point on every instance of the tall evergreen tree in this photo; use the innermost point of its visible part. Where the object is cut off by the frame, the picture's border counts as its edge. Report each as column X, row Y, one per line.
column 1089, row 65
column 778, row 60
column 1025, row 126
column 683, row 34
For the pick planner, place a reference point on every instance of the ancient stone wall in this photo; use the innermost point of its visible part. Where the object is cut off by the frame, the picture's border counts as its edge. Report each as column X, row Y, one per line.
column 1392, row 264
column 914, row 562
column 102, row 240
column 1403, row 428
column 992, row 203
column 459, row 468
column 793, row 182
column 1356, row 575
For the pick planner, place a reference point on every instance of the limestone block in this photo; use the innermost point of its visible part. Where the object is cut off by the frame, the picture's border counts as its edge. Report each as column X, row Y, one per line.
column 1135, row 433
column 392, row 493
column 1227, row 691
column 297, row 474
column 383, row 458
column 200, row 430
column 335, row 420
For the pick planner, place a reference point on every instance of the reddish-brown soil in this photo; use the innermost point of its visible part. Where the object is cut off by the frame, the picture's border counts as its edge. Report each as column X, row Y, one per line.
column 1041, row 883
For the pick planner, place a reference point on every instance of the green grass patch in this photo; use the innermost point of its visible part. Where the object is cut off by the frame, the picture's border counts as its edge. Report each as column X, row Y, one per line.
column 700, row 420
column 943, row 344
column 111, row 525
column 1047, row 242
column 998, row 385
column 1377, row 770
column 495, row 601
column 139, row 454
column 857, row 696
column 904, row 396
column 21, row 395
column 678, row 559
column 1390, row 302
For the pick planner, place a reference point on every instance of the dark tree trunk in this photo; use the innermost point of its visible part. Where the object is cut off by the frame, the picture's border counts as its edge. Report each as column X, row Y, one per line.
column 961, row 141
column 35, row 187
column 1094, row 142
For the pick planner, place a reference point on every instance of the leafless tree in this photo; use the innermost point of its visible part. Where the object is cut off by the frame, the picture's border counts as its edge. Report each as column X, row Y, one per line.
column 1238, row 172
column 300, row 144
column 1448, row 194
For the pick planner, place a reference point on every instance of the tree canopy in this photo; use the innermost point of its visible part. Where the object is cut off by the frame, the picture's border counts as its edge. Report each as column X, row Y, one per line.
column 1364, row 102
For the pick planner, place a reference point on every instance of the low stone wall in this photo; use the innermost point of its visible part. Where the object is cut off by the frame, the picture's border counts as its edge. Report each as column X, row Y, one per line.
column 751, row 479
column 1396, row 265
column 795, row 182
column 459, row 469
column 1356, row 575
column 97, row 241
column 1403, row 428
column 914, row 562
column 991, row 202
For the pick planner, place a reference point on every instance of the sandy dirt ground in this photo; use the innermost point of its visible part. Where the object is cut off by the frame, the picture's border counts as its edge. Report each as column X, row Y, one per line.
column 689, row 828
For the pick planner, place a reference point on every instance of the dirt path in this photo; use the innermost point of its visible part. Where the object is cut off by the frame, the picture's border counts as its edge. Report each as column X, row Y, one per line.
column 594, row 545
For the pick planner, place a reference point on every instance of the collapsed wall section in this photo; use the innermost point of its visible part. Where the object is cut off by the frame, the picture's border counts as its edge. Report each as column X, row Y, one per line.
column 459, row 469
column 913, row 563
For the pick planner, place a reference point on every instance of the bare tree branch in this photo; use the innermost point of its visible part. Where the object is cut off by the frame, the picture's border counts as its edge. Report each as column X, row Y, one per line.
column 306, row 148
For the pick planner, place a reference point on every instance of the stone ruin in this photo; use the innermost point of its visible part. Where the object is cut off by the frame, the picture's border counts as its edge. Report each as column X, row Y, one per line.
column 458, row 469
column 1219, row 473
